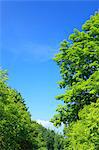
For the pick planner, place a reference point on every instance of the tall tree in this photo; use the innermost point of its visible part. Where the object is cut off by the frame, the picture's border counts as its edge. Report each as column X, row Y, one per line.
column 78, row 61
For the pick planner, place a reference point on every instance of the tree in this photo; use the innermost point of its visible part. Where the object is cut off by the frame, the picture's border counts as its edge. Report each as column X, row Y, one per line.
column 79, row 68
column 84, row 133
column 15, row 121
column 17, row 130
column 78, row 61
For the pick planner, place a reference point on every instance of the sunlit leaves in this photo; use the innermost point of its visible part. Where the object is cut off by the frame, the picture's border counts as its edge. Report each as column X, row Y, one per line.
column 78, row 61
column 85, row 132
column 17, row 130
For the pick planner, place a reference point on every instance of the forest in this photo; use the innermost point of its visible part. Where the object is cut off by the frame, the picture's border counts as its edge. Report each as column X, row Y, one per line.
column 78, row 61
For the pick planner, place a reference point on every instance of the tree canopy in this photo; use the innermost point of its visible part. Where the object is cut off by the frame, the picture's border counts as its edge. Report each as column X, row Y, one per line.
column 78, row 61
column 17, row 130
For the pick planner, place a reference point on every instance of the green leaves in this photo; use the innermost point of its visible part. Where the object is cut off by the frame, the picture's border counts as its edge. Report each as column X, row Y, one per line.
column 78, row 61
column 15, row 122
column 3, row 75
column 85, row 132
column 17, row 130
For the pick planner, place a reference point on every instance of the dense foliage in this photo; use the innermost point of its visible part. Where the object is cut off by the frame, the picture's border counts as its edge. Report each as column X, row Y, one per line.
column 17, row 130
column 84, row 133
column 79, row 68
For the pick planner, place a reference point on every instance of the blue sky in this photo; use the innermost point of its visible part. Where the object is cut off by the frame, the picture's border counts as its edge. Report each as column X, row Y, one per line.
column 31, row 32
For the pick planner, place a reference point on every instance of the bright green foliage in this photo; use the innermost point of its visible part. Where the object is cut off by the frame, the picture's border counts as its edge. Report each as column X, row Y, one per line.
column 84, row 134
column 3, row 75
column 78, row 61
column 15, row 122
column 17, row 130
column 79, row 64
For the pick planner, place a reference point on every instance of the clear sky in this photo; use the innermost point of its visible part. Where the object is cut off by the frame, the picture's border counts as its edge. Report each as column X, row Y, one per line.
column 31, row 32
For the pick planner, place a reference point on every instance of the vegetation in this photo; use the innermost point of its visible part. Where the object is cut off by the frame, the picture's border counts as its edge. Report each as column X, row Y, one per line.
column 17, row 130
column 78, row 61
